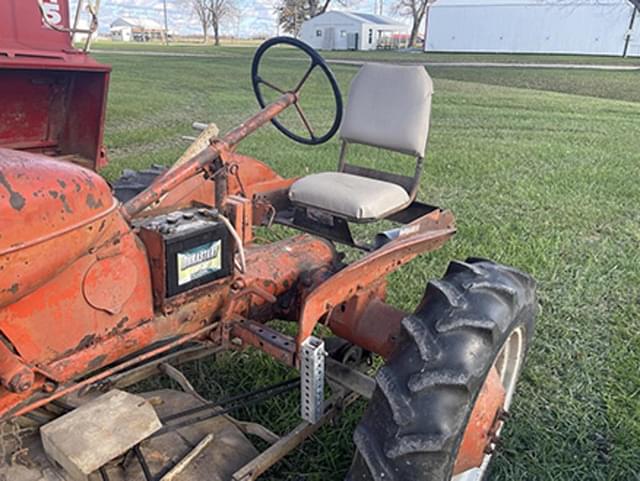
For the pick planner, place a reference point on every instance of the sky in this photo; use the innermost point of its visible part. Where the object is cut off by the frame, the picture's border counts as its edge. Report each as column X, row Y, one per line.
column 256, row 19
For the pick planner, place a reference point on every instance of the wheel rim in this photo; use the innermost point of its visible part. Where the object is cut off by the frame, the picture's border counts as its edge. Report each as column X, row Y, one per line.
column 508, row 364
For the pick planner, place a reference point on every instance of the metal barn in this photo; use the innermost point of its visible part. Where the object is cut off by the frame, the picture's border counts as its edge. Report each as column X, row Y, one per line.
column 591, row 27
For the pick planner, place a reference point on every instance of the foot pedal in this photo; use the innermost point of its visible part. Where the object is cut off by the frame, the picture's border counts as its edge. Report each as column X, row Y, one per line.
column 312, row 379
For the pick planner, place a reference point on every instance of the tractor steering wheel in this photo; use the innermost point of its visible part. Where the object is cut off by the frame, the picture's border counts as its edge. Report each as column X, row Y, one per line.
column 316, row 61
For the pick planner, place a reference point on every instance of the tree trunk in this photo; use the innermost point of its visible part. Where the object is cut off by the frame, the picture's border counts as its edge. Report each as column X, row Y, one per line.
column 205, row 32
column 415, row 28
column 216, row 33
column 325, row 6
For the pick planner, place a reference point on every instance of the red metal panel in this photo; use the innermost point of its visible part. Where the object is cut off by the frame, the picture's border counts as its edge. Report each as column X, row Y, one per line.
column 60, row 113
column 57, row 322
column 57, row 333
column 83, row 129
column 61, row 208
column 25, row 114
column 48, row 196
column 119, row 275
column 53, row 96
column 356, row 277
column 367, row 321
column 23, row 31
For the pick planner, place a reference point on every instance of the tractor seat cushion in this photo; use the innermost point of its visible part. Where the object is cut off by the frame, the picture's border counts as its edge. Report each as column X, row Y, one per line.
column 350, row 196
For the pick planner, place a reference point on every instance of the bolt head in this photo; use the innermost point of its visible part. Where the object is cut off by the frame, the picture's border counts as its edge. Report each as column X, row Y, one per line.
column 21, row 382
column 48, row 387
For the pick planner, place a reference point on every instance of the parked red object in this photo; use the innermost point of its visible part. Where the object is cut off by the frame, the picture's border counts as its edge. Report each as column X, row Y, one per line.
column 53, row 95
column 92, row 289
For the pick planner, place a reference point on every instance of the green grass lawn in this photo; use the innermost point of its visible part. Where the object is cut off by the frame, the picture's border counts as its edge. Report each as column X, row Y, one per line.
column 543, row 172
column 242, row 48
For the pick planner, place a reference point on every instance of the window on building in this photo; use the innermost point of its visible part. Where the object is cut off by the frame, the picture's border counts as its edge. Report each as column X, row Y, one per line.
column 318, row 33
column 343, row 33
column 370, row 36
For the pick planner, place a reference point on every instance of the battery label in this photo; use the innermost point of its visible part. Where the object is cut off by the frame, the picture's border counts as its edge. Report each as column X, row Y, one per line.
column 199, row 262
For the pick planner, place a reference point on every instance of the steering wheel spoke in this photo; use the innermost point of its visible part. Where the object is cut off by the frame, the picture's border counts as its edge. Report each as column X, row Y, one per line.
column 305, row 77
column 316, row 61
column 270, row 85
column 305, row 121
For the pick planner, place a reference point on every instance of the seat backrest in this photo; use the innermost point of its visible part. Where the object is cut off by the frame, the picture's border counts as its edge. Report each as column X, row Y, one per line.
column 389, row 106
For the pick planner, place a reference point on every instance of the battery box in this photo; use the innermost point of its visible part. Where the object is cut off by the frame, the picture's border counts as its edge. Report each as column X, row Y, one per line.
column 186, row 248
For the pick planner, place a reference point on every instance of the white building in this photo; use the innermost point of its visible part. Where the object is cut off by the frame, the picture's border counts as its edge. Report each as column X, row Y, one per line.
column 139, row 29
column 594, row 27
column 121, row 34
column 353, row 31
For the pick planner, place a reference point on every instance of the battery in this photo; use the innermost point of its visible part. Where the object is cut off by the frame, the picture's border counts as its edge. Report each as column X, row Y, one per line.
column 187, row 249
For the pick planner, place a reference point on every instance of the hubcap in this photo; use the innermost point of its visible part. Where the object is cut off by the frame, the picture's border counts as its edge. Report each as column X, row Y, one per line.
column 507, row 369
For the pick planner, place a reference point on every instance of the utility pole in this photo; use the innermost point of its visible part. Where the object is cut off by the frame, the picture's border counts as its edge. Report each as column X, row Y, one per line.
column 378, row 7
column 426, row 24
column 166, row 24
column 628, row 35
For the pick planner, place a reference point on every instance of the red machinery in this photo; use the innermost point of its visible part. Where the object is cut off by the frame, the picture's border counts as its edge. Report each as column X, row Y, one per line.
column 93, row 291
column 53, row 96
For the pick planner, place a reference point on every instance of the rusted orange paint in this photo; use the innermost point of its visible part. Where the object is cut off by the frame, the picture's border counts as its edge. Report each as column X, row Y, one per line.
column 253, row 177
column 477, row 436
column 23, row 405
column 274, row 343
column 241, row 216
column 356, row 277
column 366, row 320
column 61, row 335
column 55, row 319
column 50, row 213
column 77, row 290
column 15, row 375
column 115, row 271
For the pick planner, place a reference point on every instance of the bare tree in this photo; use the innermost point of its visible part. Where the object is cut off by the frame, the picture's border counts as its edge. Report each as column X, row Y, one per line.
column 293, row 13
column 218, row 11
column 200, row 9
column 416, row 9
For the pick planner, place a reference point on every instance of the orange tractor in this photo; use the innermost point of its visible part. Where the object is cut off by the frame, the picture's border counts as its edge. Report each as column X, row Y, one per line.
column 96, row 294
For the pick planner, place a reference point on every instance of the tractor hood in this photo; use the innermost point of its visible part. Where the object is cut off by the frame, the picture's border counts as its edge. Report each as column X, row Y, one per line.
column 41, row 196
column 48, row 210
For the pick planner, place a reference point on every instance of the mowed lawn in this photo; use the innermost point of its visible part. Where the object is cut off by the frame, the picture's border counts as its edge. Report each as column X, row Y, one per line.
column 241, row 47
column 544, row 179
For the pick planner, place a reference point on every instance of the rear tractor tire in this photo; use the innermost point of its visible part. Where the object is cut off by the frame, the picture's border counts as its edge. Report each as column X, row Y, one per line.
column 471, row 330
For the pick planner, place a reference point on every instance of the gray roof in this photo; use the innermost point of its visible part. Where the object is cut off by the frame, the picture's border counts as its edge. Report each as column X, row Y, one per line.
column 136, row 22
column 371, row 18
